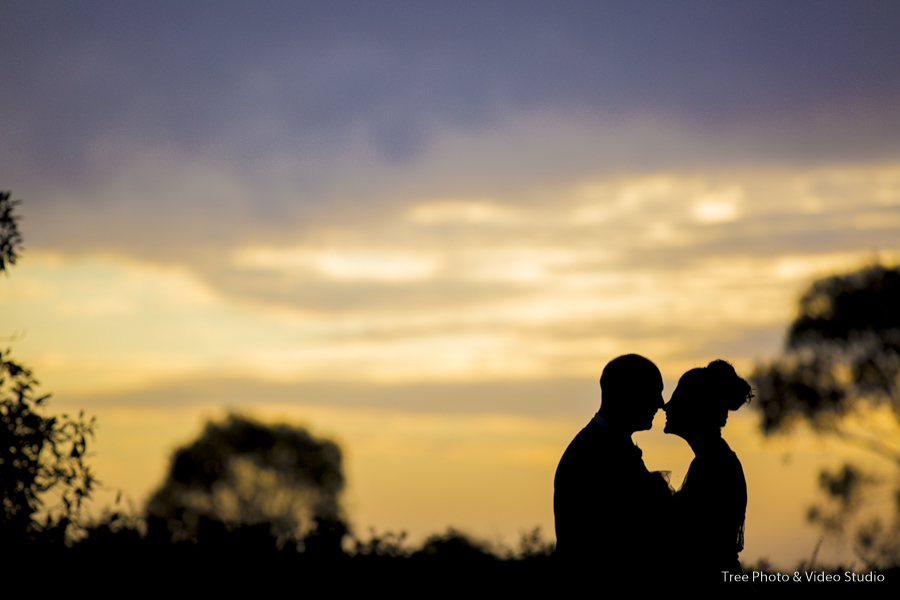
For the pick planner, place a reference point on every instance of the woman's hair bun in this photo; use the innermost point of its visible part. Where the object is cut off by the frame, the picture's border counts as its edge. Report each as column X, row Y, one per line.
column 732, row 388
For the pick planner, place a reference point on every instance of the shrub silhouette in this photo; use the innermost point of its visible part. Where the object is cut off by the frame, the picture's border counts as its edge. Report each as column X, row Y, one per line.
column 242, row 473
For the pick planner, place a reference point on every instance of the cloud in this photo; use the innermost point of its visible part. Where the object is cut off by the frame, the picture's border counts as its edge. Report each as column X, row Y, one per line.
column 339, row 263
column 397, row 191
column 719, row 206
column 92, row 83
column 461, row 211
column 532, row 291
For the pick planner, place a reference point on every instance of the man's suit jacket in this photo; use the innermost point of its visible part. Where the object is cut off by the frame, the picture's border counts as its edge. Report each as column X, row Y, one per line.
column 610, row 512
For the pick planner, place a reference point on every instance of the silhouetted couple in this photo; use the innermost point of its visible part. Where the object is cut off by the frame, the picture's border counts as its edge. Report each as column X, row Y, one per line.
column 616, row 522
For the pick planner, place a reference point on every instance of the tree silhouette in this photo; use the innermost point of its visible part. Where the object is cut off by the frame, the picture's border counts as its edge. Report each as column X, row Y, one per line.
column 242, row 473
column 10, row 239
column 38, row 454
column 842, row 356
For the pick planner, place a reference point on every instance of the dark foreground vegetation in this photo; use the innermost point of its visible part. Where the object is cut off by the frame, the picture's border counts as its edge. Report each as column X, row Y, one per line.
column 116, row 556
column 247, row 557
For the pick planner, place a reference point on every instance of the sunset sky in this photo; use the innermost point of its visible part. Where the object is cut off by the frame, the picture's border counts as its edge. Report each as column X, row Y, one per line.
column 422, row 229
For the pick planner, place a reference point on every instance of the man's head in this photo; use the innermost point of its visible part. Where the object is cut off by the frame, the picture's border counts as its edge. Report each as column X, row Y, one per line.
column 631, row 388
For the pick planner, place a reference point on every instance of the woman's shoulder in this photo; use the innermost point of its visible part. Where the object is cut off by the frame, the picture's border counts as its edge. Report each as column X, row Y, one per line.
column 724, row 454
column 716, row 467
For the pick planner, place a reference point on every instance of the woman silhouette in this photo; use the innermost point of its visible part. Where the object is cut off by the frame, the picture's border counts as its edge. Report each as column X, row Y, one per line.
column 709, row 509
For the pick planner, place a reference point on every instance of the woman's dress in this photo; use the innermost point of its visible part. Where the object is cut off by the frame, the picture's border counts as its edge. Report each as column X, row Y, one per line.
column 709, row 512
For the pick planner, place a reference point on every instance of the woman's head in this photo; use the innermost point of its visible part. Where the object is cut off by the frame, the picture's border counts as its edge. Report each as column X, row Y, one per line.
column 703, row 397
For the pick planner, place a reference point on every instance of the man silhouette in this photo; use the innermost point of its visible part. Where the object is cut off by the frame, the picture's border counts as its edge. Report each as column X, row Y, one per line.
column 609, row 510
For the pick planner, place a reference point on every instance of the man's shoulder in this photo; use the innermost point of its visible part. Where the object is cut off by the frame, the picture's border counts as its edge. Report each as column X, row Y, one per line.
column 587, row 450
column 594, row 437
column 591, row 437
column 597, row 449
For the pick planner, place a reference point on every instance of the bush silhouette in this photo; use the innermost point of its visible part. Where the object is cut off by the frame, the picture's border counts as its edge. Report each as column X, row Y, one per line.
column 241, row 473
